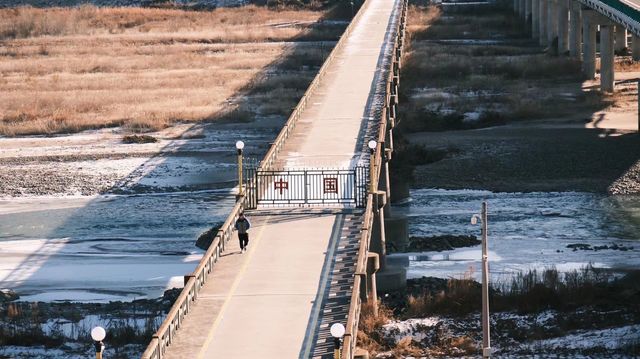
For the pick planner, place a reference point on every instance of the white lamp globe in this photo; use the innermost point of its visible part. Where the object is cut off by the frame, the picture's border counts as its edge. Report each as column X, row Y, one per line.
column 239, row 145
column 372, row 144
column 337, row 330
column 98, row 333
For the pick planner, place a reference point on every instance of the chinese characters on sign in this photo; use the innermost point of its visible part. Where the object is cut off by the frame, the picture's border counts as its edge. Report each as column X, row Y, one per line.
column 330, row 185
column 281, row 185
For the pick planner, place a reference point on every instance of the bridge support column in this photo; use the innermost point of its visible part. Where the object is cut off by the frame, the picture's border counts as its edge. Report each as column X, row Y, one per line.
column 635, row 48
column 542, row 21
column 575, row 32
column 552, row 25
column 606, row 58
column 389, row 278
column 373, row 265
column 588, row 46
column 523, row 8
column 386, row 184
column 535, row 19
column 528, row 4
column 563, row 27
column 620, row 39
column 378, row 239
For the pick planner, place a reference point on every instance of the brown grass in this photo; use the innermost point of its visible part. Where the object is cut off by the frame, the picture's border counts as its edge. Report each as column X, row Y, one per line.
column 249, row 23
column 368, row 328
column 66, row 70
column 447, row 83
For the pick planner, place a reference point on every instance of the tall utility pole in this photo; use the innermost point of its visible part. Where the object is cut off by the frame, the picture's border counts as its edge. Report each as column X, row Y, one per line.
column 486, row 340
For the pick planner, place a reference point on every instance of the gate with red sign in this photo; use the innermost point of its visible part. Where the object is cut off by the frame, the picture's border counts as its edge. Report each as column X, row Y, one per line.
column 309, row 187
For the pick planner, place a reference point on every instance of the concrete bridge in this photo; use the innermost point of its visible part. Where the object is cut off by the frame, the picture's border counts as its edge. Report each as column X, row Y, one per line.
column 316, row 250
column 569, row 27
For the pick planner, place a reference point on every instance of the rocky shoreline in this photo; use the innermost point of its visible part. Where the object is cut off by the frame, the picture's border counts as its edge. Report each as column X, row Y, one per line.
column 449, row 326
column 435, row 243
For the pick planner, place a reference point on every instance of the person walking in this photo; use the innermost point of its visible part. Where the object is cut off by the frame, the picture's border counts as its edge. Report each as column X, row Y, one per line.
column 242, row 226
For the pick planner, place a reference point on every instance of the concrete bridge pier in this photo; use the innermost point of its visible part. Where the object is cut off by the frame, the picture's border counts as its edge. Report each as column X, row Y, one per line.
column 575, row 30
column 606, row 58
column 370, row 293
column 591, row 19
column 635, row 48
column 388, row 278
column 589, row 27
column 535, row 19
column 542, row 21
column 528, row 9
column 563, row 27
column 620, row 39
column 552, row 25
column 386, row 179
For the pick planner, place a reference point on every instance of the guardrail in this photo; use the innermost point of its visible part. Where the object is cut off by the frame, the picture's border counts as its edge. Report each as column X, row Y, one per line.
column 192, row 286
column 620, row 12
column 391, row 98
column 163, row 337
column 274, row 150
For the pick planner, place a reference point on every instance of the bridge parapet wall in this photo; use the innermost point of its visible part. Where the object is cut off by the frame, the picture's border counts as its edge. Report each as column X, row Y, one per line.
column 380, row 157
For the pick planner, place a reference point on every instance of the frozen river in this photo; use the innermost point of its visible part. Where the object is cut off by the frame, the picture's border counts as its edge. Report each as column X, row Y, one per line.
column 104, row 248
column 526, row 231
column 121, row 247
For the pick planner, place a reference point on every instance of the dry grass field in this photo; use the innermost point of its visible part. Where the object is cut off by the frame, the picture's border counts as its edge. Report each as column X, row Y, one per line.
column 70, row 69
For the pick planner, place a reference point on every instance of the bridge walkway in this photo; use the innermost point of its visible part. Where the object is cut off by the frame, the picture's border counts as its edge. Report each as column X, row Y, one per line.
column 278, row 299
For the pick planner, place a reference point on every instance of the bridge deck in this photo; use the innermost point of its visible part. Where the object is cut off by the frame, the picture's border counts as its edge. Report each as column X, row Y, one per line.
column 333, row 128
column 277, row 300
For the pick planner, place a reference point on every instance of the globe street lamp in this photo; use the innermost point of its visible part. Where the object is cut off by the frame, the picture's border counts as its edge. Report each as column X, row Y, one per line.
column 372, row 149
column 98, row 334
column 337, row 332
column 486, row 340
column 239, row 147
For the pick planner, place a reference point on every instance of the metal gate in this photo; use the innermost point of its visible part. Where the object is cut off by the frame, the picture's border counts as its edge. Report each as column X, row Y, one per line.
column 308, row 187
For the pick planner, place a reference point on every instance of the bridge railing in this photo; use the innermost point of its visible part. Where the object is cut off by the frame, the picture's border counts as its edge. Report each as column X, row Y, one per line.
column 165, row 334
column 274, row 150
column 618, row 11
column 194, row 282
column 359, row 283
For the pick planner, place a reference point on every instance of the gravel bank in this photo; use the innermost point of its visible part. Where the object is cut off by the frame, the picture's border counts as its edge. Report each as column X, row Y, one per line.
column 532, row 157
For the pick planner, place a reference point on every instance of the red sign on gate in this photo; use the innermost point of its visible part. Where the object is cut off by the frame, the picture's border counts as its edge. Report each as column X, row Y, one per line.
column 330, row 185
column 281, row 185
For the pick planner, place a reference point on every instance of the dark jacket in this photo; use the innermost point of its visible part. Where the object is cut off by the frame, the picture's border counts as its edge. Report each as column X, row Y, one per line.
column 243, row 225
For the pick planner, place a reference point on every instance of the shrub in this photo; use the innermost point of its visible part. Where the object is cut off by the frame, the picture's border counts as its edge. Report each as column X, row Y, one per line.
column 139, row 139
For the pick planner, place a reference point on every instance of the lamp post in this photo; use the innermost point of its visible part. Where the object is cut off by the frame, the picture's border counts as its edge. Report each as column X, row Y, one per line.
column 239, row 147
column 98, row 334
column 486, row 338
column 372, row 163
column 337, row 332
